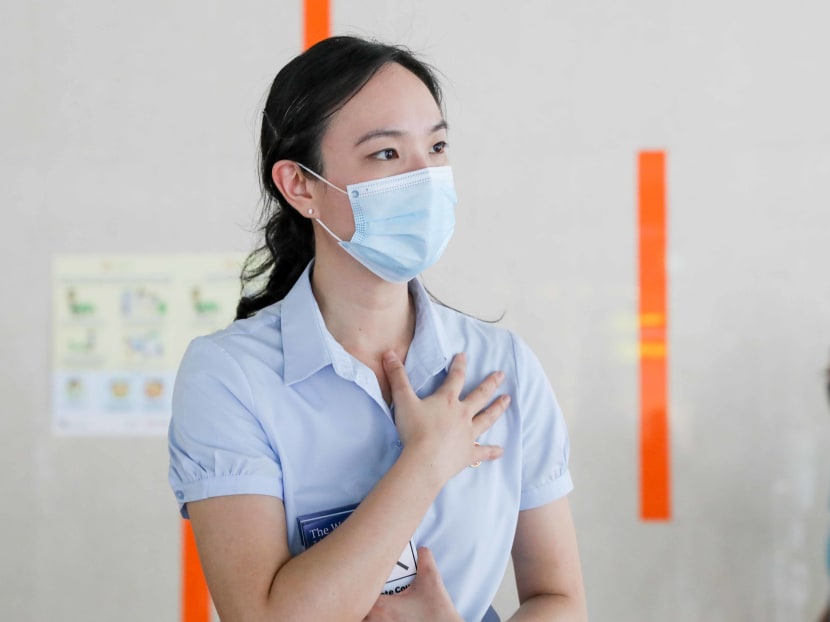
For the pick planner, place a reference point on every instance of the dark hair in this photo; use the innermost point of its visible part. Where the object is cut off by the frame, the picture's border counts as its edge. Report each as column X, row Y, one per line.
column 303, row 97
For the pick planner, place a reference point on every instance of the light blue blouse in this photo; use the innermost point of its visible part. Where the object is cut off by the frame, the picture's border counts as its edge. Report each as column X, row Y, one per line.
column 273, row 405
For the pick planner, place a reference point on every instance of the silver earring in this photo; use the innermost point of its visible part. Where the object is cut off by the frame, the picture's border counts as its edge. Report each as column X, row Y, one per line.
column 310, row 211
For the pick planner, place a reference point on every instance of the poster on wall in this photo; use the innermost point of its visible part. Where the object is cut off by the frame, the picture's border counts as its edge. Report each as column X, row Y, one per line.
column 120, row 325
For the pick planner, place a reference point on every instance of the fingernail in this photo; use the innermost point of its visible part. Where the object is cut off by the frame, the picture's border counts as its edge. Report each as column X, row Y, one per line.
column 500, row 375
column 389, row 357
column 506, row 399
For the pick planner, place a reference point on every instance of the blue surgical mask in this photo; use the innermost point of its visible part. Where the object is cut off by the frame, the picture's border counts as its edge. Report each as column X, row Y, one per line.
column 402, row 223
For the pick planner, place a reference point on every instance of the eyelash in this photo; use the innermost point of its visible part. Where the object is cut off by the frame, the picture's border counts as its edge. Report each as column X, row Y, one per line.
column 443, row 144
column 379, row 155
column 388, row 154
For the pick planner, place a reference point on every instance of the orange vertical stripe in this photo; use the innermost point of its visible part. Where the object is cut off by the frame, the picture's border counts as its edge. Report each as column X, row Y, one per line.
column 195, row 599
column 195, row 596
column 195, row 602
column 655, row 479
column 317, row 21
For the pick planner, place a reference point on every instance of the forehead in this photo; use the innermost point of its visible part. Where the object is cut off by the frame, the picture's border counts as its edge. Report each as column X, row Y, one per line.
column 394, row 98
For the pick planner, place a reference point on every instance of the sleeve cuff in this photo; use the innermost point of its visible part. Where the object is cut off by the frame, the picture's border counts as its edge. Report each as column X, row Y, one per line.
column 199, row 489
column 549, row 490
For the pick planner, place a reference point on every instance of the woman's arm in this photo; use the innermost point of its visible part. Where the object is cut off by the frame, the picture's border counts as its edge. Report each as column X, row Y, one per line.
column 242, row 539
column 243, row 544
column 546, row 561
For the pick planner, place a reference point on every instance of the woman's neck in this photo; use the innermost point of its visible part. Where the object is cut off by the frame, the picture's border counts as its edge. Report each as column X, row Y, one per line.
column 365, row 314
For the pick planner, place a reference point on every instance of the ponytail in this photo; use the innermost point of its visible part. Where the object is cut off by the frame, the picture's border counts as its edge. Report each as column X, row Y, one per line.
column 287, row 249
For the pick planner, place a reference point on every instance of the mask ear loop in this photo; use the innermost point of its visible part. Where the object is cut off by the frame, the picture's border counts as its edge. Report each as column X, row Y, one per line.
column 330, row 232
column 321, row 178
column 327, row 182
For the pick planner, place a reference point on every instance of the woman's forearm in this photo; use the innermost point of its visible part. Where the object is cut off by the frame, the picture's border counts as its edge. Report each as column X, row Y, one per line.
column 341, row 577
column 553, row 607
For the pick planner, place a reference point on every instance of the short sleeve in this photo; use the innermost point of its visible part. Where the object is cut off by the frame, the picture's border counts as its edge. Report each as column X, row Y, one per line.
column 545, row 443
column 217, row 445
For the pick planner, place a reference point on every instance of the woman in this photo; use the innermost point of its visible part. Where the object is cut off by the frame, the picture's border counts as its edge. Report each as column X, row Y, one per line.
column 343, row 391
column 824, row 616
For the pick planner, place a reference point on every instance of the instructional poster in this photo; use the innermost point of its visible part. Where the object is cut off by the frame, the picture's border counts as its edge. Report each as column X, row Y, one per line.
column 121, row 324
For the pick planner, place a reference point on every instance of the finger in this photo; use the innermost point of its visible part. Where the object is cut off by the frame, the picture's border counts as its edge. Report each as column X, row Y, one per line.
column 396, row 374
column 484, row 420
column 486, row 453
column 454, row 383
column 482, row 394
column 428, row 573
column 426, row 560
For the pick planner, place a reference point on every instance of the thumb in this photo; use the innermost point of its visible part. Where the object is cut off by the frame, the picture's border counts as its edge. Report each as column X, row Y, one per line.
column 396, row 374
column 427, row 568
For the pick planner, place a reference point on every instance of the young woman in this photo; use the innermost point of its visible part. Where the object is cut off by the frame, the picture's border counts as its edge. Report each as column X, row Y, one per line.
column 824, row 616
column 348, row 449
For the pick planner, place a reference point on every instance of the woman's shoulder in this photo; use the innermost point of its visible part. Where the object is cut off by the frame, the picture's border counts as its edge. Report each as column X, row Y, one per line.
column 465, row 332
column 256, row 339
column 485, row 340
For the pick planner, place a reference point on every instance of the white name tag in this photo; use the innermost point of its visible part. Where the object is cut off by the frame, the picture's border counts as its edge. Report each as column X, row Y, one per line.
column 403, row 574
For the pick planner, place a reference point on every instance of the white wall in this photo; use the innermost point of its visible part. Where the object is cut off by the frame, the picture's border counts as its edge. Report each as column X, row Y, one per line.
column 131, row 128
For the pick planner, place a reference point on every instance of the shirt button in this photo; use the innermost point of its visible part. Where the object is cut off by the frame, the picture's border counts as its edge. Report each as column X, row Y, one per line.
column 179, row 495
column 355, row 193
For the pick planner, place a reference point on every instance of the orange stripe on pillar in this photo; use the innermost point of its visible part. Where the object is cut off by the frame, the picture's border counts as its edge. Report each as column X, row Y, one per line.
column 195, row 596
column 317, row 21
column 195, row 599
column 655, row 476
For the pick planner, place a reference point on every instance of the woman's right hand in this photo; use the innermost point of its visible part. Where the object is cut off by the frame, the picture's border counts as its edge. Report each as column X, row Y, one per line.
column 442, row 428
column 426, row 598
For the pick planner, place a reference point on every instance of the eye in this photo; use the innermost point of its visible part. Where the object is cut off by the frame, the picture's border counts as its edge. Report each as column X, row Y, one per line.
column 385, row 154
column 439, row 147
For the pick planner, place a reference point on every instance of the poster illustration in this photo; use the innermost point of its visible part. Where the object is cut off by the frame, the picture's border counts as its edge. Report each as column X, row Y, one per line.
column 121, row 324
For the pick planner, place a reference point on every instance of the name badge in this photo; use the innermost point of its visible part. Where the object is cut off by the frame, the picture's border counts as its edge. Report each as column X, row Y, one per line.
column 316, row 526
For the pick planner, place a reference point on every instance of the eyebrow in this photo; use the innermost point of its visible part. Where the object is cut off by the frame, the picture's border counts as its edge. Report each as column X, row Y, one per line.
column 442, row 125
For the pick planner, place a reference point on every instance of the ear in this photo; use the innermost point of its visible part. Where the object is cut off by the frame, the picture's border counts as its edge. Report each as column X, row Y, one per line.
column 294, row 186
